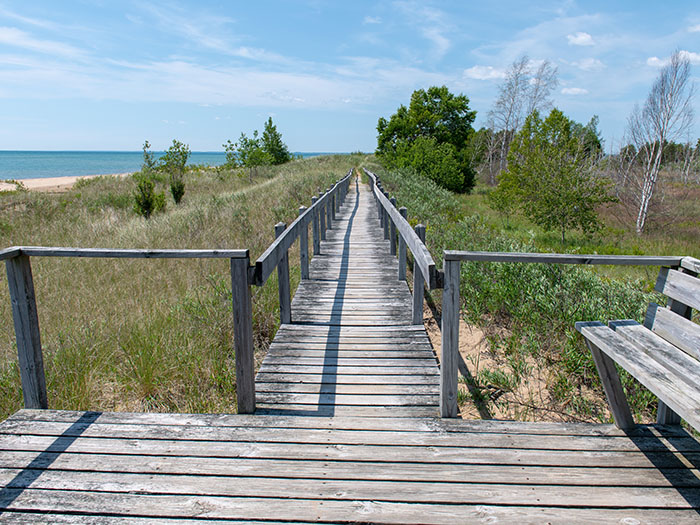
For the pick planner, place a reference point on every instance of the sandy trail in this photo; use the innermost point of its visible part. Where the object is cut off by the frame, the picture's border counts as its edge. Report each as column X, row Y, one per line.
column 53, row 184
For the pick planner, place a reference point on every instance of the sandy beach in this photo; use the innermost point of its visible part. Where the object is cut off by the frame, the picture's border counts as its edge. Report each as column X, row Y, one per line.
column 53, row 184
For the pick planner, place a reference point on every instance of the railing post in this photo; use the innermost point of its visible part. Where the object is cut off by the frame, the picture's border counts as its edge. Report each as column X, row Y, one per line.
column 387, row 219
column 316, row 227
column 392, row 230
column 334, row 204
column 329, row 210
column 402, row 249
column 243, row 335
column 304, row 246
column 26, row 321
column 418, row 282
column 322, row 217
column 450, row 340
column 283, row 281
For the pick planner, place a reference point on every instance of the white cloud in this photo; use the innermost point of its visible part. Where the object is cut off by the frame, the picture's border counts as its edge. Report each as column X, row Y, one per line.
column 589, row 64
column 372, row 20
column 484, row 73
column 693, row 58
column 18, row 38
column 580, row 39
column 431, row 22
column 574, row 91
column 694, row 29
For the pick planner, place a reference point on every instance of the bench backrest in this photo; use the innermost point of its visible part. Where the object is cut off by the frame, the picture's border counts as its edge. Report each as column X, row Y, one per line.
column 682, row 287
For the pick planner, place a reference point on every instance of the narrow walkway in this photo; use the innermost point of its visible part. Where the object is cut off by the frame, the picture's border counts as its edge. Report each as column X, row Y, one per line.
column 351, row 349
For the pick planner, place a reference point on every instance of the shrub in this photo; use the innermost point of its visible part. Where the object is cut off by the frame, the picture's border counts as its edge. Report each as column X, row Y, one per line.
column 146, row 200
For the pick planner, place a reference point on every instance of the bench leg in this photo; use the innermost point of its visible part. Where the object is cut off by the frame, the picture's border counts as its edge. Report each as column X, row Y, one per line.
column 666, row 416
column 613, row 388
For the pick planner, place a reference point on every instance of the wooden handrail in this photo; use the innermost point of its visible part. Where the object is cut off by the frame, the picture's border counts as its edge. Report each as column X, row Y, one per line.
column 106, row 253
column 269, row 260
column 563, row 258
column 421, row 255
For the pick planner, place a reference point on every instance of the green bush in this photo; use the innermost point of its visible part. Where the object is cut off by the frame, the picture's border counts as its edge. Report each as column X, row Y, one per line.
column 146, row 200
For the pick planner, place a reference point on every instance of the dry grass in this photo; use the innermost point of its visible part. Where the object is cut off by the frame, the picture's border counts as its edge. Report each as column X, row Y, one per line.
column 148, row 334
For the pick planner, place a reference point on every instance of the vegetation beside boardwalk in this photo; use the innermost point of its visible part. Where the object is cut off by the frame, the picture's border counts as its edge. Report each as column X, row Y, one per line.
column 149, row 334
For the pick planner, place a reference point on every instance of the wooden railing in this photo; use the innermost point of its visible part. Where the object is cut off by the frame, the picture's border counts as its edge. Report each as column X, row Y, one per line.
column 243, row 275
column 451, row 302
column 396, row 228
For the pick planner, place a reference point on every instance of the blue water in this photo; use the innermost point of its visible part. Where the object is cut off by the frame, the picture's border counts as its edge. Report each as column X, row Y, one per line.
column 39, row 164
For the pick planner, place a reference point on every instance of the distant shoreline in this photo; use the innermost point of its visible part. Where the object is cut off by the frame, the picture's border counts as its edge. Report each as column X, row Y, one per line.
column 54, row 184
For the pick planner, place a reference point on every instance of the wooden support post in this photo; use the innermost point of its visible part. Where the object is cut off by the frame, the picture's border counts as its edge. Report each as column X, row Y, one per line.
column 315, row 228
column 402, row 248
column 322, row 216
column 304, row 247
column 418, row 281
column 329, row 211
column 334, row 201
column 450, row 340
column 612, row 387
column 283, row 281
column 392, row 230
column 26, row 321
column 243, row 336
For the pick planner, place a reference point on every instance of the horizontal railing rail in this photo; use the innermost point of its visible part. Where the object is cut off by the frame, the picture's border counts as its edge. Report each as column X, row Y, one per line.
column 449, row 361
column 106, row 253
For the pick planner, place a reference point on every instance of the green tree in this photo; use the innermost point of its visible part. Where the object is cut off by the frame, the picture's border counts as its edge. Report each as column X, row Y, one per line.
column 273, row 145
column 149, row 161
column 146, row 200
column 232, row 161
column 251, row 153
column 550, row 175
column 434, row 114
column 174, row 162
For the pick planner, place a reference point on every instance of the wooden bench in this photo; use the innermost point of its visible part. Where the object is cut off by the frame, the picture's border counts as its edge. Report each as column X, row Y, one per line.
column 663, row 354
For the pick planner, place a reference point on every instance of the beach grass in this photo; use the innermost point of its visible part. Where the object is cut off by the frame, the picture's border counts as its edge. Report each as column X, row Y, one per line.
column 138, row 335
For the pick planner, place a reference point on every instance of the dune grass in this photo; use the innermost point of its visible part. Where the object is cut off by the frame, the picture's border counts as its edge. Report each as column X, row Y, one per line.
column 139, row 335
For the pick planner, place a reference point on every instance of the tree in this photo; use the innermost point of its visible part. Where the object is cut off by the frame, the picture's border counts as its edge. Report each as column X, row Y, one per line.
column 251, row 153
column 550, row 175
column 174, row 162
column 146, row 200
column 149, row 161
column 667, row 115
column 433, row 114
column 273, row 145
column 521, row 93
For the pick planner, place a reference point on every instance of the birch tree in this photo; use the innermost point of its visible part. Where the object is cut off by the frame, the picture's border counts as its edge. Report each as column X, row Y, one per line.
column 667, row 115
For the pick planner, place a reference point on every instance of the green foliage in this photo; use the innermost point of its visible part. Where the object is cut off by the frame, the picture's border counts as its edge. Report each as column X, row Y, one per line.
column 146, row 200
column 174, row 162
column 549, row 175
column 251, row 153
column 433, row 115
column 232, row 161
column 149, row 161
column 272, row 144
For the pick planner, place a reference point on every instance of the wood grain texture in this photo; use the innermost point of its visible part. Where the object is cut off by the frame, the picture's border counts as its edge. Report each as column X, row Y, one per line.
column 558, row 258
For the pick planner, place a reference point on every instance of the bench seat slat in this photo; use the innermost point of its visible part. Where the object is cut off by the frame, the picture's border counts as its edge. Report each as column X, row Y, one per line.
column 679, row 286
column 664, row 382
column 675, row 329
column 685, row 368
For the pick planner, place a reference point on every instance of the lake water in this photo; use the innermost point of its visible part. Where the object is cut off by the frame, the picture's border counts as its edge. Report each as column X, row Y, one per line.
column 40, row 164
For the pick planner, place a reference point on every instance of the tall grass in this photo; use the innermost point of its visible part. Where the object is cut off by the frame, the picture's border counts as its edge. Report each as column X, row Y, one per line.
column 149, row 334
column 527, row 311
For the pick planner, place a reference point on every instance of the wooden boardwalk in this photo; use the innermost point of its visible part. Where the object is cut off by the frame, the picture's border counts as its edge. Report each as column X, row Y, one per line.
column 351, row 349
column 369, row 447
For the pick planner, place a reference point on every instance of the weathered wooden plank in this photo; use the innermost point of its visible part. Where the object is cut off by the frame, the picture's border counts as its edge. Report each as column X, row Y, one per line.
column 354, row 370
column 335, row 399
column 10, row 253
column 283, row 286
column 351, row 470
column 681, row 287
column 27, row 335
column 559, row 258
column 691, row 264
column 450, row 340
column 44, row 251
column 356, row 389
column 304, row 247
column 675, row 329
column 345, row 379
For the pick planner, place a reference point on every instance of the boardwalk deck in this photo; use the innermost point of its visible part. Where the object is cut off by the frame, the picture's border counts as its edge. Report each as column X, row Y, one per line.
column 351, row 349
column 383, row 456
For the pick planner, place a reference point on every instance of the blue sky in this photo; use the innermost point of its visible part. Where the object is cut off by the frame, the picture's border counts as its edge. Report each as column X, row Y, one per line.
column 97, row 75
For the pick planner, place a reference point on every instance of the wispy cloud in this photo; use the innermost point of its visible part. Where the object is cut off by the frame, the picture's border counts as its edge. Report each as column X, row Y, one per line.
column 432, row 23
column 693, row 58
column 574, row 91
column 580, row 39
column 694, row 29
column 589, row 64
column 484, row 73
column 12, row 36
column 372, row 20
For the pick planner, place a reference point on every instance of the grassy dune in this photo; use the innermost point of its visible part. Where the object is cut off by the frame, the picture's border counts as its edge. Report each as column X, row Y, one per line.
column 149, row 334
